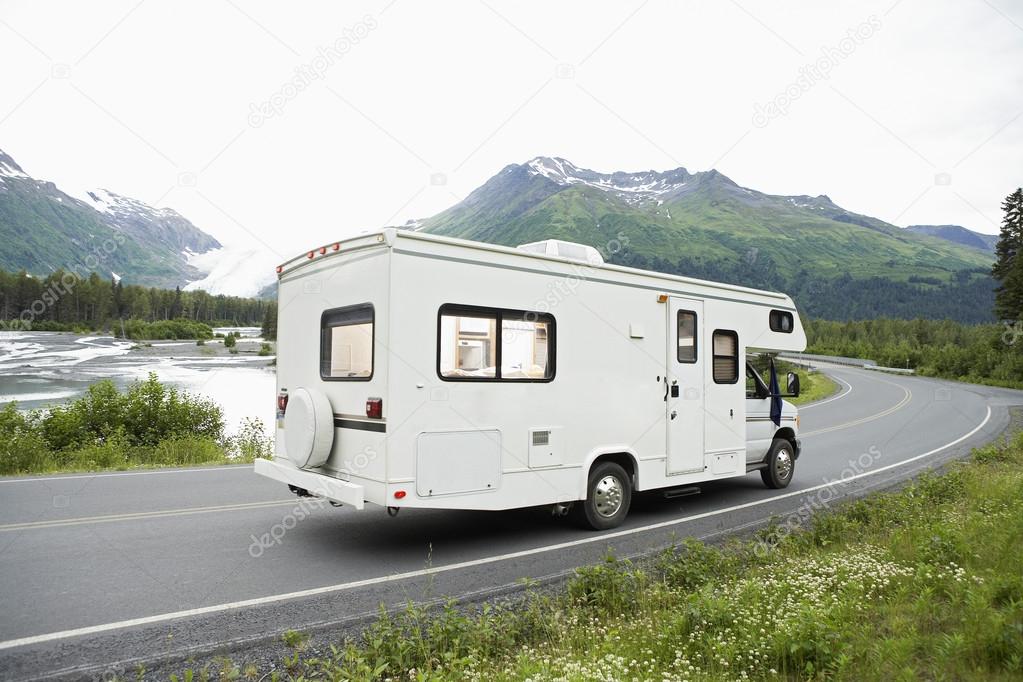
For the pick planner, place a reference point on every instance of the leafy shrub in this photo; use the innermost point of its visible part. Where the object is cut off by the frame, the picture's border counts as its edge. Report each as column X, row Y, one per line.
column 265, row 349
column 180, row 450
column 611, row 588
column 251, row 441
column 109, row 453
column 230, row 340
column 22, row 449
column 154, row 412
column 167, row 329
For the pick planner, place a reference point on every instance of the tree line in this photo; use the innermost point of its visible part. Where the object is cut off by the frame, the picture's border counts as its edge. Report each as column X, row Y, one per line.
column 983, row 353
column 966, row 297
column 65, row 300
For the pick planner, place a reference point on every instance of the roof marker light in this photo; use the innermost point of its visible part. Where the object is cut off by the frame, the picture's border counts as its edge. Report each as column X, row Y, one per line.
column 337, row 246
column 280, row 269
column 323, row 250
column 310, row 254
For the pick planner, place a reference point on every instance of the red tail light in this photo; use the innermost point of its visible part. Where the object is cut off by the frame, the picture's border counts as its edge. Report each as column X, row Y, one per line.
column 399, row 494
column 282, row 401
column 375, row 408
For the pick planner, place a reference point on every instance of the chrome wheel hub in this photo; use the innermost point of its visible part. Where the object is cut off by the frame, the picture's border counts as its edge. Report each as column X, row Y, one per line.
column 783, row 464
column 607, row 496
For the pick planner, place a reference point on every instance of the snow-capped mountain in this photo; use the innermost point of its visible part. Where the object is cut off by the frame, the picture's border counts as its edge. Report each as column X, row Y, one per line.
column 165, row 226
column 43, row 229
column 632, row 188
column 703, row 224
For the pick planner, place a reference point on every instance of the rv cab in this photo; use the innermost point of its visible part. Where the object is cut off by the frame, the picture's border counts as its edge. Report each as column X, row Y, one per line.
column 417, row 371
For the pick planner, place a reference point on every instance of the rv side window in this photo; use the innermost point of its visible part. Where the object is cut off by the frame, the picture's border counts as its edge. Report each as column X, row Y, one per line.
column 781, row 321
column 726, row 357
column 487, row 344
column 686, row 336
column 346, row 343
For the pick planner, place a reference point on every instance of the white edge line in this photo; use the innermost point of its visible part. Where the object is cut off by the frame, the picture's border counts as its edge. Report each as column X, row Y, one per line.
column 245, row 466
column 849, row 389
column 231, row 606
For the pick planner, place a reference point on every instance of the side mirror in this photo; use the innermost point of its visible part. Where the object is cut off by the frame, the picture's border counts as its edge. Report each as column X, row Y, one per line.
column 792, row 382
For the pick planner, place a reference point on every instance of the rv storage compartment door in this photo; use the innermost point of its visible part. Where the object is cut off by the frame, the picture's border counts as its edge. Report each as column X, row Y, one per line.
column 450, row 462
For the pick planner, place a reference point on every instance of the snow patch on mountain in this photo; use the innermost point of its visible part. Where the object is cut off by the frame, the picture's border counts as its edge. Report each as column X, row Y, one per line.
column 631, row 187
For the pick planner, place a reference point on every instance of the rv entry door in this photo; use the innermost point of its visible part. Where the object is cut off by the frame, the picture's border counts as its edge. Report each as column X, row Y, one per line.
column 683, row 390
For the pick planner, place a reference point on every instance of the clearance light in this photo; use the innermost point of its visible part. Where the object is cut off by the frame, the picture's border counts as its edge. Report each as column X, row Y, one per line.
column 337, row 246
column 663, row 298
column 323, row 250
column 375, row 408
column 280, row 269
column 310, row 254
column 282, row 401
column 399, row 494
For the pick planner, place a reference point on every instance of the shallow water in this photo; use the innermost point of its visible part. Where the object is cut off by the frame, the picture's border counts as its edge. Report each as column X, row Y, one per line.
column 38, row 369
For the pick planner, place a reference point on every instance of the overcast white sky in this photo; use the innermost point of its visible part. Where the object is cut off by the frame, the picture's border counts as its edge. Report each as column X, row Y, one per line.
column 919, row 120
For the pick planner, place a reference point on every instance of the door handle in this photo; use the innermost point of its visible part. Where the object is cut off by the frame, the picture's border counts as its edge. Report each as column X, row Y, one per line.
column 665, row 389
column 674, row 390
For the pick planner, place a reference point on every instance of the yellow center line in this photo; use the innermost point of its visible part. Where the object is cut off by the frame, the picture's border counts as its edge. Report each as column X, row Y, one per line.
column 56, row 523
column 863, row 420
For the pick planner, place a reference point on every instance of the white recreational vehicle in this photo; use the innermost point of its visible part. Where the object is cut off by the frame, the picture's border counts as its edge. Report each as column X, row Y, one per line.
column 421, row 371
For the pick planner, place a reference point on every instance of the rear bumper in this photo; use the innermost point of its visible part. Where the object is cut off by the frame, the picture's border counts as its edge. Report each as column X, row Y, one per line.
column 317, row 484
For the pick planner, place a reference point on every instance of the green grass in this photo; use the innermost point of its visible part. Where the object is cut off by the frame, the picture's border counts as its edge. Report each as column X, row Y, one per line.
column 813, row 387
column 922, row 583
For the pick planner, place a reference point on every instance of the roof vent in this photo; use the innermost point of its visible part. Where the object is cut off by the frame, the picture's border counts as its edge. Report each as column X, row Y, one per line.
column 569, row 250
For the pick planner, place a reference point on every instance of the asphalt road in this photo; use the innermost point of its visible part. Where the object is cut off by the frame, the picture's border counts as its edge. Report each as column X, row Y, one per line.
column 98, row 572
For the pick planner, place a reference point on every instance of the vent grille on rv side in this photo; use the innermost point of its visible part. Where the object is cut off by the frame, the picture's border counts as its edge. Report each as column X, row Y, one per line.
column 541, row 438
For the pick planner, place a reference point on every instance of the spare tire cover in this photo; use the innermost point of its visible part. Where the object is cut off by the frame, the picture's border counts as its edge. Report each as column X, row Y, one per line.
column 308, row 428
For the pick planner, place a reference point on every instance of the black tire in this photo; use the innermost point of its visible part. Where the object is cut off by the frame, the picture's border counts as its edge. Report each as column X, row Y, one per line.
column 608, row 486
column 781, row 464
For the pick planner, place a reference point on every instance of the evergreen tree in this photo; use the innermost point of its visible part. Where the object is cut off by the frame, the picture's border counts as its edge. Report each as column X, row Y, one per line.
column 269, row 330
column 1008, row 267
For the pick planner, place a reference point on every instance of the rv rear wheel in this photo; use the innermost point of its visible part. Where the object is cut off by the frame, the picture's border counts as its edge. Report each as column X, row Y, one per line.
column 608, row 496
column 781, row 463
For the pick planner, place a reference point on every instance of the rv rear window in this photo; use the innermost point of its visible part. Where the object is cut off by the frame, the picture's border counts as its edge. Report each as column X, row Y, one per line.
column 346, row 343
column 494, row 344
column 726, row 357
column 781, row 321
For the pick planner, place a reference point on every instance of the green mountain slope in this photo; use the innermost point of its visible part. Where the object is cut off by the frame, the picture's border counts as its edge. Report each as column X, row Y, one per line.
column 839, row 264
column 42, row 230
column 958, row 234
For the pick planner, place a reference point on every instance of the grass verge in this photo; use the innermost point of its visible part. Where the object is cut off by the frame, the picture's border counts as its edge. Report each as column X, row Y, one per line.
column 814, row 386
column 922, row 583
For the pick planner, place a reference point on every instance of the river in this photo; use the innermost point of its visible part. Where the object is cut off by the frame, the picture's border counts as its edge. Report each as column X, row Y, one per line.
column 38, row 369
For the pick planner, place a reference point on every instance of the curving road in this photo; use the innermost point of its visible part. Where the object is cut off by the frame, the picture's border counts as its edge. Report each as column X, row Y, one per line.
column 98, row 572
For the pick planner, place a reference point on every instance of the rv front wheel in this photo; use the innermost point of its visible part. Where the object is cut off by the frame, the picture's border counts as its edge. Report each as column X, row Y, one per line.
column 608, row 496
column 781, row 463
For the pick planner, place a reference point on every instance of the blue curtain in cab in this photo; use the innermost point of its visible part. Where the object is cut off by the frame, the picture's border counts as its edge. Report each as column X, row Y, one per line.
column 775, row 396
